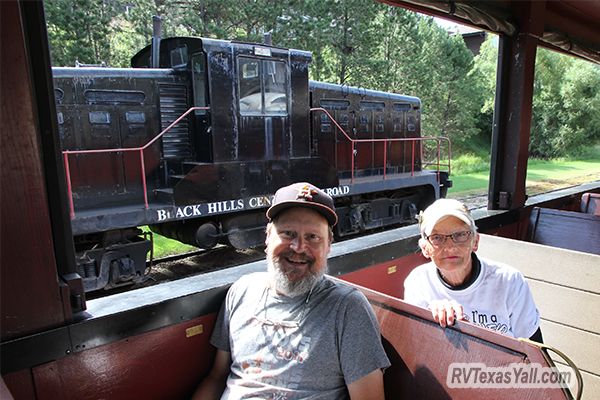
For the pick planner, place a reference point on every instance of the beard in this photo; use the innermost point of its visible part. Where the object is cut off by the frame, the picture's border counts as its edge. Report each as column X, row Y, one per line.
column 290, row 288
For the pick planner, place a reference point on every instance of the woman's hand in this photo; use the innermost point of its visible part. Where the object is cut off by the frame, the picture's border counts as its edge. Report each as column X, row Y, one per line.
column 446, row 312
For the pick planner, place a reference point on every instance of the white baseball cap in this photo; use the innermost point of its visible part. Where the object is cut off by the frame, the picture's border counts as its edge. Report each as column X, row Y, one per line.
column 443, row 208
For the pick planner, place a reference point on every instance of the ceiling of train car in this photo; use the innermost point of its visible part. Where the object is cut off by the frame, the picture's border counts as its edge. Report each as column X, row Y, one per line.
column 570, row 26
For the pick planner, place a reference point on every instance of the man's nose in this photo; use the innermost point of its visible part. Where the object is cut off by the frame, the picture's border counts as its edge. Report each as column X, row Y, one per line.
column 298, row 244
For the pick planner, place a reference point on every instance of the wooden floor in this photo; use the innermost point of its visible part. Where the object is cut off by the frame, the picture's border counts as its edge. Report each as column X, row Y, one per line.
column 566, row 288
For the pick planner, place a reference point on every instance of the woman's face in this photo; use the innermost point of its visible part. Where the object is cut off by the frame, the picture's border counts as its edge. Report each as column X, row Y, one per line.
column 449, row 256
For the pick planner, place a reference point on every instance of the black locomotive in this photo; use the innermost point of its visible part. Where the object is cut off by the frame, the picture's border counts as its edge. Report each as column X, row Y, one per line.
column 236, row 122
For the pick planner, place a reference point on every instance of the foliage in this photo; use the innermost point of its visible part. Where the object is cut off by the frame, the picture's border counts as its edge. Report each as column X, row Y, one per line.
column 356, row 42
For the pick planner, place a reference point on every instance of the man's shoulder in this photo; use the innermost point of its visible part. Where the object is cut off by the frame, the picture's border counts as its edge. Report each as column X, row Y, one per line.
column 248, row 281
column 340, row 290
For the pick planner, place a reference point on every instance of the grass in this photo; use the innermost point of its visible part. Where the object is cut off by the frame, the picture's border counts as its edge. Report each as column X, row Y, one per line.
column 469, row 180
column 164, row 246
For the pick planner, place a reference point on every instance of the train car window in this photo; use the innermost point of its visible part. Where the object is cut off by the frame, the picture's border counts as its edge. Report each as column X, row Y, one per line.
column 179, row 56
column 60, row 118
column 199, row 81
column 332, row 104
column 263, row 86
column 99, row 117
column 343, row 120
column 372, row 105
column 135, row 117
column 412, row 124
column 59, row 95
column 401, row 107
column 398, row 123
column 325, row 128
column 250, row 70
column 275, row 74
column 250, row 90
column 94, row 96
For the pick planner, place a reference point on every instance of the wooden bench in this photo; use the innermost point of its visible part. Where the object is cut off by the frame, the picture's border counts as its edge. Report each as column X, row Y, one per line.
column 590, row 203
column 566, row 288
column 565, row 229
column 422, row 354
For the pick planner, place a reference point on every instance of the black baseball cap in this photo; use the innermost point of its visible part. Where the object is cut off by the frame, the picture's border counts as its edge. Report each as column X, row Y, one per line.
column 303, row 194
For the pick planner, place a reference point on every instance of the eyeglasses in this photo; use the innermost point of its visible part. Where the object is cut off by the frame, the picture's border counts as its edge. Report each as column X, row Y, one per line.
column 277, row 324
column 457, row 237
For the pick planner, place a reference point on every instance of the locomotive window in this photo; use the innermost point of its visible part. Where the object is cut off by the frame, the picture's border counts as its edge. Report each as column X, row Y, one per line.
column 372, row 105
column 179, row 56
column 411, row 125
column 99, row 117
column 135, row 117
column 250, row 70
column 332, row 104
column 402, row 107
column 114, row 97
column 199, row 77
column 263, row 86
column 59, row 95
column 275, row 83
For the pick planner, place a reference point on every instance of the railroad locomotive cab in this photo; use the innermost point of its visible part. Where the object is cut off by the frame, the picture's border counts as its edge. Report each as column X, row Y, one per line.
column 256, row 96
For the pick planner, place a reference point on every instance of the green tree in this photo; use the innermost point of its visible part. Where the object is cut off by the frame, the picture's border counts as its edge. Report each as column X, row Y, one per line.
column 79, row 30
column 581, row 102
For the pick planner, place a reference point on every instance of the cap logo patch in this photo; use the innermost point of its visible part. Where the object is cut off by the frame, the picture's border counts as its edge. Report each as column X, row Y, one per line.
column 306, row 193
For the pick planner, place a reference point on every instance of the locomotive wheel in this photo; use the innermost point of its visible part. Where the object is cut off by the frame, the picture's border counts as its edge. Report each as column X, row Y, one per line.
column 206, row 236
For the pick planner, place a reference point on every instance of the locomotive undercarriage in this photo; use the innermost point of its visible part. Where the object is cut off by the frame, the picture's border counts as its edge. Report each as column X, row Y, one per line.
column 111, row 259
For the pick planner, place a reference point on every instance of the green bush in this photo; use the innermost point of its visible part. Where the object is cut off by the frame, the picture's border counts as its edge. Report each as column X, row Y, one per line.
column 469, row 163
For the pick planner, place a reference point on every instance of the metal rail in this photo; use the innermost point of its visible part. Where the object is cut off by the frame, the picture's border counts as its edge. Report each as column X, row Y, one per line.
column 387, row 141
column 354, row 142
column 66, row 154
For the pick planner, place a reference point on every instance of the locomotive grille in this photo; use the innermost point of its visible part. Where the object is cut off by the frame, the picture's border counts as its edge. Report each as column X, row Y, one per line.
column 173, row 103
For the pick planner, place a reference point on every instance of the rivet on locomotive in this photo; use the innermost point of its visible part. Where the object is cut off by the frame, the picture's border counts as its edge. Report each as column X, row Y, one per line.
column 252, row 122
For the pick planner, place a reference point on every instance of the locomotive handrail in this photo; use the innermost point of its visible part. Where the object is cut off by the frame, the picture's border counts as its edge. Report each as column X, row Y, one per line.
column 141, row 149
column 385, row 141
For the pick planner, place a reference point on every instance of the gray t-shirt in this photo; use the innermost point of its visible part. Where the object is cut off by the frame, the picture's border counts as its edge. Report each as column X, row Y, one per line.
column 306, row 347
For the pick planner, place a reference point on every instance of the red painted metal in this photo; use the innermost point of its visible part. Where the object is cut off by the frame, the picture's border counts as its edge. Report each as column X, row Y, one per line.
column 384, row 160
column 162, row 364
column 66, row 154
column 143, row 168
column 385, row 142
column 387, row 278
column 69, row 187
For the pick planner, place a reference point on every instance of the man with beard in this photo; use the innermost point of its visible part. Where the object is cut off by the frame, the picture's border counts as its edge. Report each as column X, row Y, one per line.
column 292, row 333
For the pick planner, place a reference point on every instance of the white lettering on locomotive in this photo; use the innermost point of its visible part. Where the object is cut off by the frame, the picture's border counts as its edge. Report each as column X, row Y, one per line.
column 260, row 201
column 338, row 191
column 188, row 211
column 163, row 215
column 225, row 206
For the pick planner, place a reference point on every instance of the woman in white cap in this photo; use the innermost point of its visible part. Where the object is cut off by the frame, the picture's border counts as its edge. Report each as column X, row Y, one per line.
column 456, row 284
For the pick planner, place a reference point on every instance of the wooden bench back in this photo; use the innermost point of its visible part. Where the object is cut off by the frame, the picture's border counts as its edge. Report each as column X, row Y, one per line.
column 565, row 229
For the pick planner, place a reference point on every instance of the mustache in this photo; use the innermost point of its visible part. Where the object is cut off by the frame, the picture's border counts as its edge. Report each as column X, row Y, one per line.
column 298, row 257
